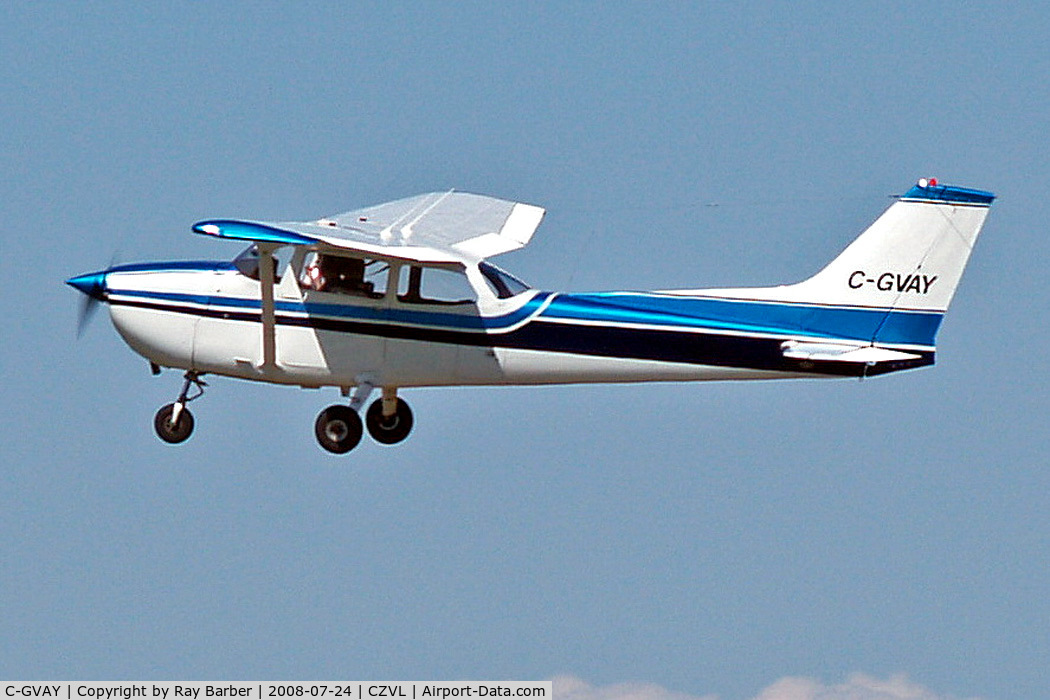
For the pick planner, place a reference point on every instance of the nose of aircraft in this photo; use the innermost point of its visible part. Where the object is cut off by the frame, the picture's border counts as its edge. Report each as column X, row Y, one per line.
column 93, row 284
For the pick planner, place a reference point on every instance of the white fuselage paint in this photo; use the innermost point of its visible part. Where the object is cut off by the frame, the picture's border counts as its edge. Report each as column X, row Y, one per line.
column 214, row 333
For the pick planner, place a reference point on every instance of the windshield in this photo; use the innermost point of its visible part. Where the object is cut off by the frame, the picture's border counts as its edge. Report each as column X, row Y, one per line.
column 247, row 263
column 504, row 284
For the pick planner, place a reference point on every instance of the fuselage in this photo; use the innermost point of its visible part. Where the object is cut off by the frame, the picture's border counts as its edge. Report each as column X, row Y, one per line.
column 401, row 294
column 207, row 317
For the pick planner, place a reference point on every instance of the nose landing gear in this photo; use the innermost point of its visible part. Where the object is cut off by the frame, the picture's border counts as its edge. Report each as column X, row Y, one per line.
column 174, row 422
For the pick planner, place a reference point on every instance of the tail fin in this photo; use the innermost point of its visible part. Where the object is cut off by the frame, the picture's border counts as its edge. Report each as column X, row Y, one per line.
column 909, row 261
column 912, row 257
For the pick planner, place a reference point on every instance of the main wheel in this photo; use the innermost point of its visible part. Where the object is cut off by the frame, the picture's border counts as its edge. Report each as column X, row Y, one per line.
column 172, row 432
column 389, row 430
column 338, row 429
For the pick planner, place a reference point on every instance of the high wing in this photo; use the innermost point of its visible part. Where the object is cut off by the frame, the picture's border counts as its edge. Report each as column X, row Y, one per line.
column 439, row 227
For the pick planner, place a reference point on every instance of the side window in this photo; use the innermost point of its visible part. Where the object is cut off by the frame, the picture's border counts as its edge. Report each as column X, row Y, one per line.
column 338, row 274
column 433, row 285
column 377, row 274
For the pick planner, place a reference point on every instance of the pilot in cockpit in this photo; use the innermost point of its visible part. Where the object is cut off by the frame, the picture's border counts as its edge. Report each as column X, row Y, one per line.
column 334, row 273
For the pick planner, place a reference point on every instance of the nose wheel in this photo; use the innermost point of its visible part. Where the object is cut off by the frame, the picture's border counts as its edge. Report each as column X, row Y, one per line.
column 174, row 422
column 171, row 430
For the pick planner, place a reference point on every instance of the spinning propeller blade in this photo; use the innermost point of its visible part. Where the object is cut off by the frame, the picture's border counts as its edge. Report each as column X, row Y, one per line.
column 93, row 286
column 88, row 307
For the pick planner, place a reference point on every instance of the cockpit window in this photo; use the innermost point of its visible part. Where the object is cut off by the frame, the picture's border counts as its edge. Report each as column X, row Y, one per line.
column 339, row 274
column 247, row 263
column 434, row 285
column 504, row 285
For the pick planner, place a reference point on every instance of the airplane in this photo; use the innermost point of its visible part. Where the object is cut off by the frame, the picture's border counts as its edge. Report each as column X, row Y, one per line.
column 402, row 295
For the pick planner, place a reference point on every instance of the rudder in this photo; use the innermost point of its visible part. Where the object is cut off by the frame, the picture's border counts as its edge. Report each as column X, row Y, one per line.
column 911, row 258
column 893, row 283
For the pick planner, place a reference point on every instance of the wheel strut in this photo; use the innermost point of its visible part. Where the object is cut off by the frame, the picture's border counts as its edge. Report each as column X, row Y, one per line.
column 184, row 397
column 389, row 402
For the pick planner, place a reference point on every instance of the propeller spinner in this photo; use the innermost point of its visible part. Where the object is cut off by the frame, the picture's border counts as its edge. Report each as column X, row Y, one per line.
column 93, row 286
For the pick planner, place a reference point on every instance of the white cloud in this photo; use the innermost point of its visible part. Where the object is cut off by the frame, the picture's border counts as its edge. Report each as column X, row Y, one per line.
column 858, row 686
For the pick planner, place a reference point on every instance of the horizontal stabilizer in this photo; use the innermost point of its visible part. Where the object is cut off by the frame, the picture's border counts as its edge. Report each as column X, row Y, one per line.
column 839, row 352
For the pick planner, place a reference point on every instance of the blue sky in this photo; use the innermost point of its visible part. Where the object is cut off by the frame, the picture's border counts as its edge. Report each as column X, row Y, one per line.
column 716, row 539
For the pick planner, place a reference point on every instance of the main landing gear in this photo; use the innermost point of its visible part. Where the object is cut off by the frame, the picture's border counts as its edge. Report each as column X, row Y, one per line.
column 389, row 429
column 389, row 421
column 338, row 429
column 174, row 422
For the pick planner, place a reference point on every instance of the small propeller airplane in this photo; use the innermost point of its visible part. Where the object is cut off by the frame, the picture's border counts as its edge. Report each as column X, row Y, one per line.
column 402, row 295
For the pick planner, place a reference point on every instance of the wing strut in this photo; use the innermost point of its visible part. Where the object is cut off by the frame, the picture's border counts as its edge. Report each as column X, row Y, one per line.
column 266, row 279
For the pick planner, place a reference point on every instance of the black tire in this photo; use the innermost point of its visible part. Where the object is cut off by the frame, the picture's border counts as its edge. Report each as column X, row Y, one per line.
column 389, row 431
column 168, row 432
column 338, row 429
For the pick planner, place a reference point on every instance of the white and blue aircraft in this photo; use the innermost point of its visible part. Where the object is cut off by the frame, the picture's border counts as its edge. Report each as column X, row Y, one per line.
column 401, row 295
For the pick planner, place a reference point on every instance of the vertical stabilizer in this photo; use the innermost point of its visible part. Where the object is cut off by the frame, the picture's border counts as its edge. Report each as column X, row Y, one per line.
column 910, row 260
column 912, row 257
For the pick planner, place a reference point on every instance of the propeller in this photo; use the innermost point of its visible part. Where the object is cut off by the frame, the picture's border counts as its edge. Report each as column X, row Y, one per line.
column 86, row 312
column 93, row 286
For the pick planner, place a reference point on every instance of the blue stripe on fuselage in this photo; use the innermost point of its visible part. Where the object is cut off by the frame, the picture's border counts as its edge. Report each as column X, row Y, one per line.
column 669, row 312
column 854, row 323
column 906, row 327
column 349, row 311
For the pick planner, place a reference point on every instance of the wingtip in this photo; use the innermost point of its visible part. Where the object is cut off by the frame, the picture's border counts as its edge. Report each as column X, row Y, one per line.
column 208, row 228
